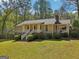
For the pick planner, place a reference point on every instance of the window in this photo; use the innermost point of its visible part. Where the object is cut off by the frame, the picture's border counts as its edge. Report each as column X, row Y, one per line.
column 27, row 27
column 63, row 28
column 35, row 27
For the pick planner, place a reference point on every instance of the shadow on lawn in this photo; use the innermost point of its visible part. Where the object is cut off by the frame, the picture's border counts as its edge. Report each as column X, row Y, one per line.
column 66, row 39
column 3, row 40
column 40, row 40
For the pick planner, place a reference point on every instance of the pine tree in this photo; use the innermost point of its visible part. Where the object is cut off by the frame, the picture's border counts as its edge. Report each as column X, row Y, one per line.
column 42, row 7
column 25, row 8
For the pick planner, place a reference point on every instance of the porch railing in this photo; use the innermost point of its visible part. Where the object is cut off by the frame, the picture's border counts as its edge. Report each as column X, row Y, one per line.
column 24, row 34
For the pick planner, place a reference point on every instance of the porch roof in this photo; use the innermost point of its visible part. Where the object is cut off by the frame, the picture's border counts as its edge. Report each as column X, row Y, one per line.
column 44, row 21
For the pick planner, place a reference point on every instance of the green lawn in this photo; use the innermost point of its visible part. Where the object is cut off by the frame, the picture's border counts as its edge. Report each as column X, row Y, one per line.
column 40, row 50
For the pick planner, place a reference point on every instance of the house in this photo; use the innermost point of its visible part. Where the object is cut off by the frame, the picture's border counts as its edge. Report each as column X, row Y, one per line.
column 44, row 25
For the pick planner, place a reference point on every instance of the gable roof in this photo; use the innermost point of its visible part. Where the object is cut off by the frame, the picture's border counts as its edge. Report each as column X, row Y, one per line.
column 45, row 21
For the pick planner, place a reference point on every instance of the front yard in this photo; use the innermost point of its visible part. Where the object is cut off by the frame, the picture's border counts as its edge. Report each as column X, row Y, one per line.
column 40, row 50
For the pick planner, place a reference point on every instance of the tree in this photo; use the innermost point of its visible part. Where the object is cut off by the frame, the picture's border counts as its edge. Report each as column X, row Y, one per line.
column 42, row 8
column 11, row 6
column 62, row 12
column 25, row 8
column 76, row 2
column 5, row 9
column 76, row 24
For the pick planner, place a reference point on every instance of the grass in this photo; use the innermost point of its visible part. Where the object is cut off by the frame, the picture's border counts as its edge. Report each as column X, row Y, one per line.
column 40, row 50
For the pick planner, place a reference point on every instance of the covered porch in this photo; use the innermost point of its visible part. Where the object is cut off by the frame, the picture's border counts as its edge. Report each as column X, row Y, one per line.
column 49, row 28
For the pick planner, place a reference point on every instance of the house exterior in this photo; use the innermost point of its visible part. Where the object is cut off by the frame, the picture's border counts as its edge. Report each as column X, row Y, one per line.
column 44, row 25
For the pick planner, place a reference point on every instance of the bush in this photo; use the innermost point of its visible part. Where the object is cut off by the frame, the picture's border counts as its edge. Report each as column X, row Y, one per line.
column 76, row 23
column 57, row 35
column 65, row 35
column 30, row 37
column 17, row 37
column 35, row 35
column 49, row 36
column 74, row 34
column 39, row 35
column 42, row 35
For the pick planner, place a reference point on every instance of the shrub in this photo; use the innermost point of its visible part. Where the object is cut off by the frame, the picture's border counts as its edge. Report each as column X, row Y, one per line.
column 76, row 23
column 64, row 35
column 17, row 37
column 30, row 37
column 74, row 34
column 39, row 35
column 57, row 35
column 35, row 35
column 48, row 36
column 42, row 35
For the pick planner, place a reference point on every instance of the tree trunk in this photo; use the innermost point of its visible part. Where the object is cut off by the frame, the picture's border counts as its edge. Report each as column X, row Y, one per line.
column 3, row 24
column 78, row 7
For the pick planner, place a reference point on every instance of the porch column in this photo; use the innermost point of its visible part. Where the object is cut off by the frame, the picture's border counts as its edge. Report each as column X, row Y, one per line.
column 52, row 28
column 58, row 28
column 23, row 28
column 38, row 27
column 67, row 28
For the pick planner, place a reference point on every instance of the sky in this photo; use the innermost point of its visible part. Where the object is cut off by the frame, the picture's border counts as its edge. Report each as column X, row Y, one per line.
column 55, row 4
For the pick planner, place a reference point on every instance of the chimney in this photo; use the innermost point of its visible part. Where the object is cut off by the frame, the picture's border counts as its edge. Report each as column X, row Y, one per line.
column 57, row 17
